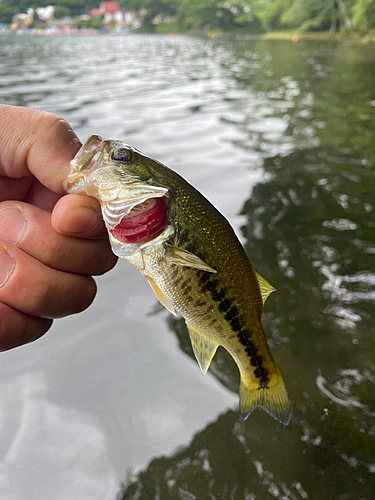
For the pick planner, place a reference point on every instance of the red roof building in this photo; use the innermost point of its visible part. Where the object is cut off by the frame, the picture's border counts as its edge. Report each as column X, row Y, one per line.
column 113, row 14
column 109, row 7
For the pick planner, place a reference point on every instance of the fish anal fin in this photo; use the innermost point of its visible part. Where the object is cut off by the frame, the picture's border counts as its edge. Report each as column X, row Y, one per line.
column 164, row 301
column 273, row 398
column 181, row 257
column 265, row 288
column 203, row 347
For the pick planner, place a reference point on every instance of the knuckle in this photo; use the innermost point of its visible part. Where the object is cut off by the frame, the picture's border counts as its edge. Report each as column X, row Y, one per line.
column 109, row 261
column 17, row 328
column 86, row 298
column 43, row 122
column 53, row 127
column 97, row 259
column 59, row 298
column 7, row 340
column 46, row 298
column 48, row 121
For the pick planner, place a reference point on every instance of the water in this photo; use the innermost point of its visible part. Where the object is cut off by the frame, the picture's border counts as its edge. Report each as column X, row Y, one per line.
column 280, row 137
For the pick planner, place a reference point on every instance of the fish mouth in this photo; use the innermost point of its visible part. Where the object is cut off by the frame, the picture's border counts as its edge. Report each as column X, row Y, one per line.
column 144, row 222
column 134, row 211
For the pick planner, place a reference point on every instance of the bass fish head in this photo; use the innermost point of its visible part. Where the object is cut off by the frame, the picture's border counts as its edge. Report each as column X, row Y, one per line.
column 133, row 201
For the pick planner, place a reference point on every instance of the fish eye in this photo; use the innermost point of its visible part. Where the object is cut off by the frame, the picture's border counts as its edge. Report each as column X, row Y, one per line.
column 121, row 155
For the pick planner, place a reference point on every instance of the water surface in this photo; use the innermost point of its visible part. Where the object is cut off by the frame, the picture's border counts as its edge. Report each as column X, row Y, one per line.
column 280, row 137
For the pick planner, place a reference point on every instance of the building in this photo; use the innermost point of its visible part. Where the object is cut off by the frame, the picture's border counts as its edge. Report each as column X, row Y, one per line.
column 113, row 14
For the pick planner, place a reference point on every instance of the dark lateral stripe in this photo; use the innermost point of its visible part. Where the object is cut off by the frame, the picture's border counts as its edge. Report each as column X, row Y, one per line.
column 218, row 296
column 210, row 286
column 253, row 361
column 224, row 305
column 255, row 358
column 235, row 324
column 231, row 313
column 205, row 276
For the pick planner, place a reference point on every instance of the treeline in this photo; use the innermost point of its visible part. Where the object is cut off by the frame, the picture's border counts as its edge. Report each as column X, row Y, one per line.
column 264, row 15
column 252, row 15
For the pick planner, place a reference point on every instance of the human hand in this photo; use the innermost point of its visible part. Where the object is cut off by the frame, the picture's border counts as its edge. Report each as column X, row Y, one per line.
column 50, row 245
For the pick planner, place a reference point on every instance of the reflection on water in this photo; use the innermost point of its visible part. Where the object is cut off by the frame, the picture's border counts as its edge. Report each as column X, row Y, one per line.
column 279, row 136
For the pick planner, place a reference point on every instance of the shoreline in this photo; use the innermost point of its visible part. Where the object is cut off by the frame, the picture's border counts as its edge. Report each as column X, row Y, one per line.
column 354, row 38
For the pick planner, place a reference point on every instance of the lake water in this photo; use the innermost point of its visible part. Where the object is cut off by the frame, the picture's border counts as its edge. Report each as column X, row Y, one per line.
column 280, row 137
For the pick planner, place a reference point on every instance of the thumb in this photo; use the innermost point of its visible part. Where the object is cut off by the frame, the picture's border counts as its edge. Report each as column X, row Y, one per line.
column 36, row 143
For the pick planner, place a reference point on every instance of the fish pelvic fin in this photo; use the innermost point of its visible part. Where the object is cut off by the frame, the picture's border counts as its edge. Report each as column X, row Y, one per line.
column 265, row 288
column 164, row 301
column 203, row 347
column 273, row 398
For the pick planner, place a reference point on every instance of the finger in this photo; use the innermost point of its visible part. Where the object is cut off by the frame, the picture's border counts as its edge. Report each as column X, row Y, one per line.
column 38, row 143
column 79, row 215
column 29, row 229
column 17, row 328
column 14, row 189
column 40, row 196
column 35, row 289
column 28, row 189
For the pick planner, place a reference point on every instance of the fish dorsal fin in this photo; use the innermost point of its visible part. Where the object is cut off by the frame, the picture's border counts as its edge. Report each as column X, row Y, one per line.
column 164, row 301
column 181, row 257
column 265, row 288
column 203, row 347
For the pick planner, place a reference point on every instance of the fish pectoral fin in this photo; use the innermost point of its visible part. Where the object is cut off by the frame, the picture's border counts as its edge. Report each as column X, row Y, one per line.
column 164, row 301
column 265, row 288
column 203, row 347
column 181, row 257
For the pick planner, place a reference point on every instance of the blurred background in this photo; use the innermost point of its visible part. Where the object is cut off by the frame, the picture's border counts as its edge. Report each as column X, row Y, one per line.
column 279, row 136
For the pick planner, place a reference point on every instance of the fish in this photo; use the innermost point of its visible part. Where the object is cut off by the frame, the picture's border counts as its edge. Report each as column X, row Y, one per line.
column 192, row 259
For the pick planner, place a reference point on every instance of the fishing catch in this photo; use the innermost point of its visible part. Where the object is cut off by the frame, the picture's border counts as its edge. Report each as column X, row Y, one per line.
column 192, row 259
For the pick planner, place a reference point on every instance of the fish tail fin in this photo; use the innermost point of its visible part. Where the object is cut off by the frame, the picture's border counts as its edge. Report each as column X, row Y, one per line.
column 273, row 398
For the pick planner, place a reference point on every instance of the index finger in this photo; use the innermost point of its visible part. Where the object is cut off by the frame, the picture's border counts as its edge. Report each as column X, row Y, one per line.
column 38, row 143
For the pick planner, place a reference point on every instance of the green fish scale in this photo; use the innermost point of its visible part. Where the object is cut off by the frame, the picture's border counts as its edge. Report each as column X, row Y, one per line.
column 225, row 306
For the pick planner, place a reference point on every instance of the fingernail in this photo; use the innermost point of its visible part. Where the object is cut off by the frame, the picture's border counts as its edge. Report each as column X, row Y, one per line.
column 6, row 266
column 12, row 225
column 79, row 221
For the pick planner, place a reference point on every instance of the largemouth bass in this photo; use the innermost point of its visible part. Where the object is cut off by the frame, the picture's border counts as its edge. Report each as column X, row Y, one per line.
column 192, row 259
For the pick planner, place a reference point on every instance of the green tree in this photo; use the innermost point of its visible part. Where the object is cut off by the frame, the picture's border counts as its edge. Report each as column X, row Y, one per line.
column 60, row 11
column 95, row 22
column 304, row 15
column 207, row 14
column 153, row 8
column 7, row 11
column 310, row 15
column 364, row 14
column 269, row 12
column 76, row 7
